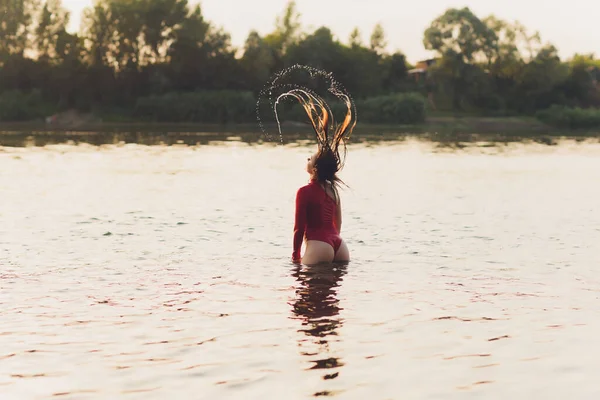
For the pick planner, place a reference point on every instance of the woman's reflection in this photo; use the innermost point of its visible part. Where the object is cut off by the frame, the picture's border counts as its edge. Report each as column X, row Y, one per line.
column 317, row 306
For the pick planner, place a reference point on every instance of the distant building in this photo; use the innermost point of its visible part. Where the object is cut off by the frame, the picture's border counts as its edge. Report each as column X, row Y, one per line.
column 421, row 68
column 421, row 77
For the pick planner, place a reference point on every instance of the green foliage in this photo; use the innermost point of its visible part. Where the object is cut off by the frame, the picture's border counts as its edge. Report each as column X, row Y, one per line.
column 235, row 106
column 162, row 60
column 494, row 67
column 460, row 32
column 378, row 42
column 205, row 106
column 538, row 82
column 19, row 106
column 287, row 29
column 15, row 26
column 130, row 33
column 50, row 29
column 257, row 61
column 572, row 118
column 355, row 39
column 581, row 86
column 399, row 108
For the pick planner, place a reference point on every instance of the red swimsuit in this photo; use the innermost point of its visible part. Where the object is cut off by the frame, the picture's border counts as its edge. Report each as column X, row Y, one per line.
column 315, row 218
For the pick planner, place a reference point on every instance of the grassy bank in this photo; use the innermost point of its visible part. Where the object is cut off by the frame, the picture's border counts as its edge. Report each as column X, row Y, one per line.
column 432, row 124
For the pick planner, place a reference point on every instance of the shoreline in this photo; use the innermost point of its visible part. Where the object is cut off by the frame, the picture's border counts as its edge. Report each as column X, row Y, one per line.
column 443, row 127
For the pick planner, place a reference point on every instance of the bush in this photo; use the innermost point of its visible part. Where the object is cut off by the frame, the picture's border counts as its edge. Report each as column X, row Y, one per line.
column 573, row 118
column 19, row 106
column 400, row 108
column 236, row 107
column 205, row 106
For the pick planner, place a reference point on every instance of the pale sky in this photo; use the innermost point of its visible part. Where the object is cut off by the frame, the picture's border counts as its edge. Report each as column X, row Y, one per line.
column 573, row 26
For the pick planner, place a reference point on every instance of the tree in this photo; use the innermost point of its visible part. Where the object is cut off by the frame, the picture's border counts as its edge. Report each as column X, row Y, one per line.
column 257, row 61
column 132, row 33
column 99, row 33
column 459, row 32
column 319, row 50
column 160, row 19
column 287, row 28
column 538, row 81
column 51, row 31
column 16, row 27
column 378, row 42
column 362, row 71
column 514, row 42
column 355, row 38
column 285, row 35
column 188, row 37
column 201, row 55
column 396, row 72
column 583, row 84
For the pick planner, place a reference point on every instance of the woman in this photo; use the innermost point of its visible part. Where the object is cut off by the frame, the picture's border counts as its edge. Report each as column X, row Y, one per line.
column 319, row 214
column 318, row 217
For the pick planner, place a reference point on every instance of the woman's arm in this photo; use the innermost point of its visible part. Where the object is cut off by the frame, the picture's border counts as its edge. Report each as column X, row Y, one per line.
column 299, row 224
column 338, row 216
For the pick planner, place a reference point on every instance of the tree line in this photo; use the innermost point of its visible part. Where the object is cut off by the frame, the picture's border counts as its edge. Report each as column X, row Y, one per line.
column 163, row 60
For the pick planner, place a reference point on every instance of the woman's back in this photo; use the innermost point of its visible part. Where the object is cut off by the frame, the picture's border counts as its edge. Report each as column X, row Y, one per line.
column 320, row 208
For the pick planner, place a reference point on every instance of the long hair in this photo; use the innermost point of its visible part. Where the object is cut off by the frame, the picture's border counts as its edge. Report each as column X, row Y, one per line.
column 331, row 137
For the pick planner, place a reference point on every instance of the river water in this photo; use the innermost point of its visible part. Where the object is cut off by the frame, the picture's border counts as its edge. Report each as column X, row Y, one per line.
column 151, row 272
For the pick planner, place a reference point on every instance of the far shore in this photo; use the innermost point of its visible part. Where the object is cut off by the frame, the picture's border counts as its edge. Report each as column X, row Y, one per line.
column 447, row 126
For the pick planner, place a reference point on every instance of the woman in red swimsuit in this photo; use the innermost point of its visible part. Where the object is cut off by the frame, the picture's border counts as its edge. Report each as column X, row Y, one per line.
column 318, row 217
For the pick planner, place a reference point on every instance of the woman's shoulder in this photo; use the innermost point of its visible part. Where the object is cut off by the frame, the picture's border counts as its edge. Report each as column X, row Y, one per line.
column 305, row 188
column 309, row 190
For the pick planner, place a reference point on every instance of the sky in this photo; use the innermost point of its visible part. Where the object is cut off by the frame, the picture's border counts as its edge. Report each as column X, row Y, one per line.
column 571, row 26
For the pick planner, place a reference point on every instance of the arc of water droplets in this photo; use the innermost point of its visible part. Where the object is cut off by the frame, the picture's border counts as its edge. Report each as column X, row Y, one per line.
column 297, row 91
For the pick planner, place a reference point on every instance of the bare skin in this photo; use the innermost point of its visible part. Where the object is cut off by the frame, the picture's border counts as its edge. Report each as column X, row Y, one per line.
column 317, row 251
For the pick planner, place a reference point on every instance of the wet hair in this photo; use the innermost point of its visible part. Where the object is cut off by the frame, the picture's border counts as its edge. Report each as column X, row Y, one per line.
column 331, row 137
column 327, row 165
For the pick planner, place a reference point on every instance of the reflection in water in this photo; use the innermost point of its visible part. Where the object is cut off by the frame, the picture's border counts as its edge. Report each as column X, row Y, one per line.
column 317, row 306
column 148, row 138
column 210, row 135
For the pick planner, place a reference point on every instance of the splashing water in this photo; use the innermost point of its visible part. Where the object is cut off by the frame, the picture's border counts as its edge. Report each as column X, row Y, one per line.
column 284, row 85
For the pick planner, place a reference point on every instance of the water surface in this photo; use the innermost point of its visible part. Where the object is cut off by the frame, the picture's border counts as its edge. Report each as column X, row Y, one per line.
column 134, row 271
